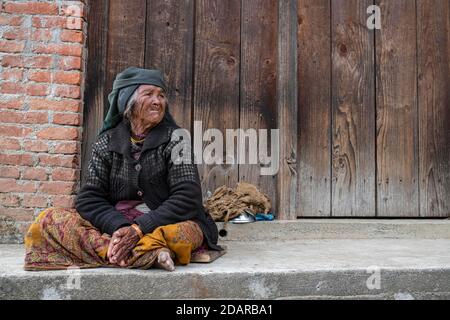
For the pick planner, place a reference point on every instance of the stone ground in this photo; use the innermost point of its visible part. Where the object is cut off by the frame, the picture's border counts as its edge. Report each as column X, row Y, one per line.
column 380, row 260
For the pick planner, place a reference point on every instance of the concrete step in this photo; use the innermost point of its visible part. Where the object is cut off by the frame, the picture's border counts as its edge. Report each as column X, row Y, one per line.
column 338, row 229
column 275, row 269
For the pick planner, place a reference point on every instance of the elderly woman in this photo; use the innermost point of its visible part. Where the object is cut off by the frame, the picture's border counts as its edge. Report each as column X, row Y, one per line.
column 137, row 208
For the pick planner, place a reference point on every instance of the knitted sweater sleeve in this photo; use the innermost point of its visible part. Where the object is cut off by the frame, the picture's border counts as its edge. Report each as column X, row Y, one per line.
column 92, row 201
column 185, row 194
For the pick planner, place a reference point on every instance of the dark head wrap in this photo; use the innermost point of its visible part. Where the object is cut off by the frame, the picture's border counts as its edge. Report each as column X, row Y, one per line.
column 124, row 85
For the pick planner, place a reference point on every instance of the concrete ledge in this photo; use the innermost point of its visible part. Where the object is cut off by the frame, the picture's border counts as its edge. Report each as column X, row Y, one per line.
column 339, row 229
column 308, row 229
column 299, row 269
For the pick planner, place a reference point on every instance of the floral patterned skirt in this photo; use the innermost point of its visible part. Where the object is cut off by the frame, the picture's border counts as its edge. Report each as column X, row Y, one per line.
column 61, row 238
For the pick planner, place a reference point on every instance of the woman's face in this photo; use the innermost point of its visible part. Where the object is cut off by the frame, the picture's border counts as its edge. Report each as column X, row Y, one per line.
column 150, row 106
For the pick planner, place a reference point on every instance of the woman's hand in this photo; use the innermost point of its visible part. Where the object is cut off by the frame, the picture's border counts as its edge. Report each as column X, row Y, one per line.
column 121, row 244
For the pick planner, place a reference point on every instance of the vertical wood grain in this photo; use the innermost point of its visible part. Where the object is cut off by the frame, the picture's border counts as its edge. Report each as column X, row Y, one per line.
column 126, row 38
column 170, row 48
column 314, row 95
column 353, row 110
column 216, row 87
column 434, row 106
column 258, row 90
column 287, row 110
column 397, row 130
column 94, row 99
column 356, row 114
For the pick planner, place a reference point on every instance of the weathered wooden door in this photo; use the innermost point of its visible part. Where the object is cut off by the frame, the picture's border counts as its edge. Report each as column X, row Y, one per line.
column 374, row 109
column 364, row 115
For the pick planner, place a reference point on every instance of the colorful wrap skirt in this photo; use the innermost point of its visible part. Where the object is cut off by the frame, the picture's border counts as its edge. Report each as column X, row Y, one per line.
column 61, row 238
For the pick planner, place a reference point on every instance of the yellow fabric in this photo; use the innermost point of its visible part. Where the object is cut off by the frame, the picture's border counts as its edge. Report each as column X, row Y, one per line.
column 60, row 238
column 168, row 237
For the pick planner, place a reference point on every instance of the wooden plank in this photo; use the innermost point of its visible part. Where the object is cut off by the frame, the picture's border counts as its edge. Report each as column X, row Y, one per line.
column 314, row 145
column 353, row 110
column 169, row 47
column 258, row 87
column 216, row 87
column 94, row 98
column 397, row 143
column 434, row 106
column 126, row 38
column 287, row 105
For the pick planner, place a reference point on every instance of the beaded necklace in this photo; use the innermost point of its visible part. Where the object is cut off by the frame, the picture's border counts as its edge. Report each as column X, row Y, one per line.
column 137, row 141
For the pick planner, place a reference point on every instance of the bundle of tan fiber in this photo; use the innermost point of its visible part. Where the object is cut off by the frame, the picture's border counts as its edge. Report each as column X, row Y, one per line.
column 227, row 203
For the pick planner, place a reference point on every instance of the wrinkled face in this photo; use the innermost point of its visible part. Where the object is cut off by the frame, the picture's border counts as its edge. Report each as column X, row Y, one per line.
column 150, row 106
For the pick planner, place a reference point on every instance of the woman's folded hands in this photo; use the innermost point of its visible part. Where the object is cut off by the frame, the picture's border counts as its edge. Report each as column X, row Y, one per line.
column 122, row 243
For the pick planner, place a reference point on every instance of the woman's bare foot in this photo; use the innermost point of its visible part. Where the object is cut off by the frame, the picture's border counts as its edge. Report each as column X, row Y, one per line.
column 165, row 261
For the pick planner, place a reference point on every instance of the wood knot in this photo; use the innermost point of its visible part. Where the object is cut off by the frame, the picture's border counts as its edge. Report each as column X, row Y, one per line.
column 231, row 61
column 343, row 49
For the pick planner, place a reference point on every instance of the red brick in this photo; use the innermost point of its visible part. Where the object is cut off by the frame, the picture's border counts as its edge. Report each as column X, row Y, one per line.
column 35, row 146
column 18, row 214
column 72, row 36
column 49, row 22
column 73, row 92
column 41, row 35
column 10, row 20
column 11, row 116
column 40, row 76
column 71, row 147
column 41, row 62
column 17, row 159
column 56, row 105
column 14, row 131
column 58, row 187
column 11, row 46
column 13, row 61
column 16, row 34
column 11, row 87
column 15, row 21
column 9, row 200
column 73, row 119
column 65, row 174
column 35, row 117
column 13, row 185
column 63, row 201
column 12, row 74
column 10, row 144
column 68, row 161
column 34, row 174
column 37, row 90
column 73, row 10
column 11, row 104
column 74, row 23
column 58, row 133
column 69, row 63
column 32, row 7
column 9, row 172
column 23, row 117
column 20, row 117
column 62, row 49
column 68, row 77
column 27, row 117
column 33, row 201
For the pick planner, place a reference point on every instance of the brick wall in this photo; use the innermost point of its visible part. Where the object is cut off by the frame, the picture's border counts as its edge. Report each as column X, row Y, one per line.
column 42, row 58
